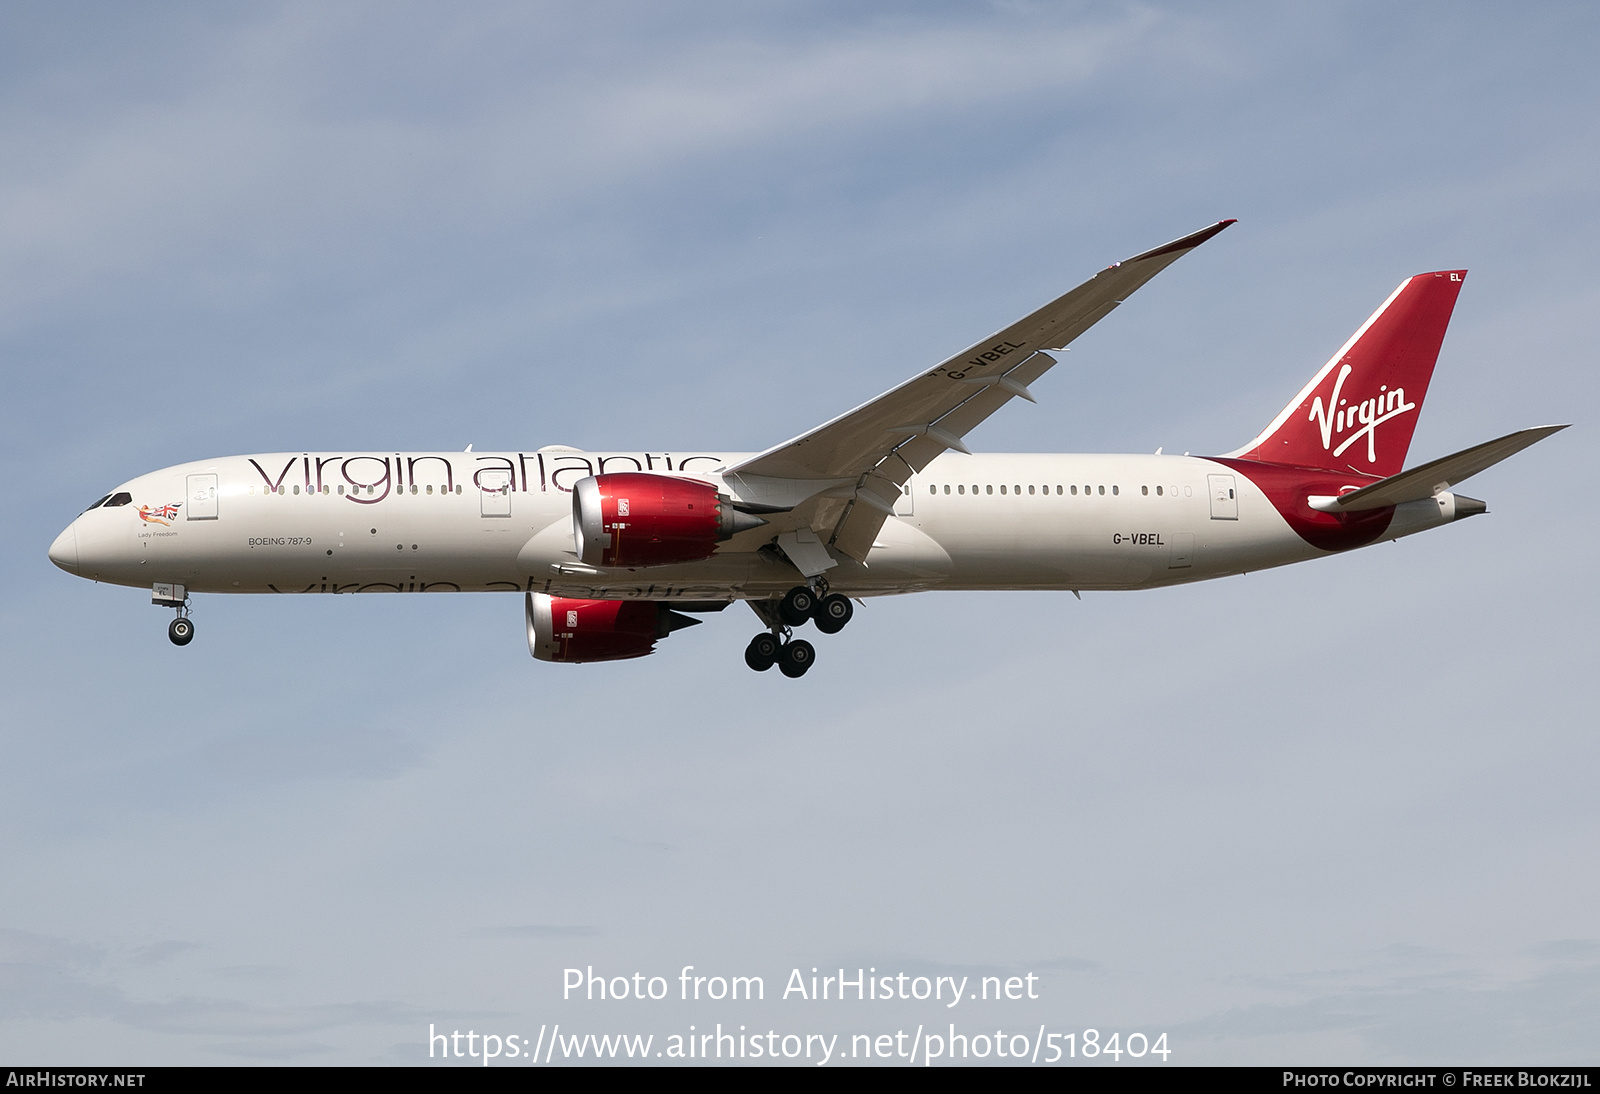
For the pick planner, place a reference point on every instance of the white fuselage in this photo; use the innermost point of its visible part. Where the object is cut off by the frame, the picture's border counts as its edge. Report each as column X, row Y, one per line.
column 431, row 522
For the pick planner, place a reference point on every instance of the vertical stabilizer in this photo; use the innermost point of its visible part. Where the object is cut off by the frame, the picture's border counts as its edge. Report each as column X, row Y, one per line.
column 1359, row 412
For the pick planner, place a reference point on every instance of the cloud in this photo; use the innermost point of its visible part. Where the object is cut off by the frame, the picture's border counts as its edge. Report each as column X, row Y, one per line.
column 158, row 952
column 54, row 979
column 256, row 146
column 537, row 930
column 277, row 1050
column 1450, row 1013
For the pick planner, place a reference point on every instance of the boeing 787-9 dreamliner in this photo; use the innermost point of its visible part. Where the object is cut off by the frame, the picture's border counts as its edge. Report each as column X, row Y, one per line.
column 613, row 551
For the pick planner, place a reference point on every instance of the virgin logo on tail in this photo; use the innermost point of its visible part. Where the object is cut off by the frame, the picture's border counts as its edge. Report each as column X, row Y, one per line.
column 1338, row 417
column 1387, row 362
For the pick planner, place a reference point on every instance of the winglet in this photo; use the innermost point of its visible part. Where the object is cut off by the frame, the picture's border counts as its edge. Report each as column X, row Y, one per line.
column 1187, row 243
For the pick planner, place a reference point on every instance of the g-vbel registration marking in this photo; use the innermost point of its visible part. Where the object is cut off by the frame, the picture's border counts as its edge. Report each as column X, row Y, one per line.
column 985, row 357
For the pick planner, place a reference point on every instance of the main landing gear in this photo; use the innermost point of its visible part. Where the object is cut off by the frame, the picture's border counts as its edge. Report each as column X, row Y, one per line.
column 794, row 656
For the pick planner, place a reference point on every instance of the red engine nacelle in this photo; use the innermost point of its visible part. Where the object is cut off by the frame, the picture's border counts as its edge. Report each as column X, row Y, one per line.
column 563, row 629
column 638, row 519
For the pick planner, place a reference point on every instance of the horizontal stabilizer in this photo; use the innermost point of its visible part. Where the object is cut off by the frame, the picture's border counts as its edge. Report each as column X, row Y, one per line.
column 1438, row 475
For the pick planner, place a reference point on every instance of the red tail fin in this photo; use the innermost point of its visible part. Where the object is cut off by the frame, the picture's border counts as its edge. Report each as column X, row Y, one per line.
column 1359, row 412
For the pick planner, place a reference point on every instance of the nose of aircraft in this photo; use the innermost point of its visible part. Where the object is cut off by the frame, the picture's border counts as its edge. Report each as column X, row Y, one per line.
column 64, row 551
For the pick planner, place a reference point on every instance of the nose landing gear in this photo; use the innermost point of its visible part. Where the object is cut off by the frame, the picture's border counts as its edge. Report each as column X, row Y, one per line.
column 181, row 629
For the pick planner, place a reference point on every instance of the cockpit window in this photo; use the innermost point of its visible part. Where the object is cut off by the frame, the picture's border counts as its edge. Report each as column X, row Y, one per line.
column 120, row 498
column 99, row 503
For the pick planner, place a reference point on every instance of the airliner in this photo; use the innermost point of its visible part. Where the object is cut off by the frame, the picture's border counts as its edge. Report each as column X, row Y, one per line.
column 614, row 551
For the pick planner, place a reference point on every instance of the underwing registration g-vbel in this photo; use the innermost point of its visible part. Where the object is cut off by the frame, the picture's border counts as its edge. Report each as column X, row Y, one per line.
column 613, row 551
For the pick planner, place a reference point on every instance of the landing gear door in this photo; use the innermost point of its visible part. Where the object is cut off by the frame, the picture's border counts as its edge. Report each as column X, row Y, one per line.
column 494, row 493
column 1224, row 499
column 200, row 497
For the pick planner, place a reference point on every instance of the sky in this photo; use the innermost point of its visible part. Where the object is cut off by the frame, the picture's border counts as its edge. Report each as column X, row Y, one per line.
column 1336, row 813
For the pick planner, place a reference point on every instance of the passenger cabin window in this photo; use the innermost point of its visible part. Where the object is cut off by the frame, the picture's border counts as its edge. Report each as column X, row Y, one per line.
column 988, row 489
column 961, row 489
column 1144, row 490
column 1115, row 490
column 1002, row 489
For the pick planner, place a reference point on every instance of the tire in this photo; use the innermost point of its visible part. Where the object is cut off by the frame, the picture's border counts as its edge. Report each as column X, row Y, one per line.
column 181, row 631
column 796, row 658
column 832, row 613
column 762, row 652
column 797, row 606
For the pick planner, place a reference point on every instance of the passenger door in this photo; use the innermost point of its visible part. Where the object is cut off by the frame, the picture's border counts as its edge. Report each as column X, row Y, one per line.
column 200, row 495
column 1224, row 501
column 494, row 493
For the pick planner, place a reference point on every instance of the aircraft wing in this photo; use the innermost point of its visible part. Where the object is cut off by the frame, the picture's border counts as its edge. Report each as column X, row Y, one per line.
column 1426, row 480
column 877, row 446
